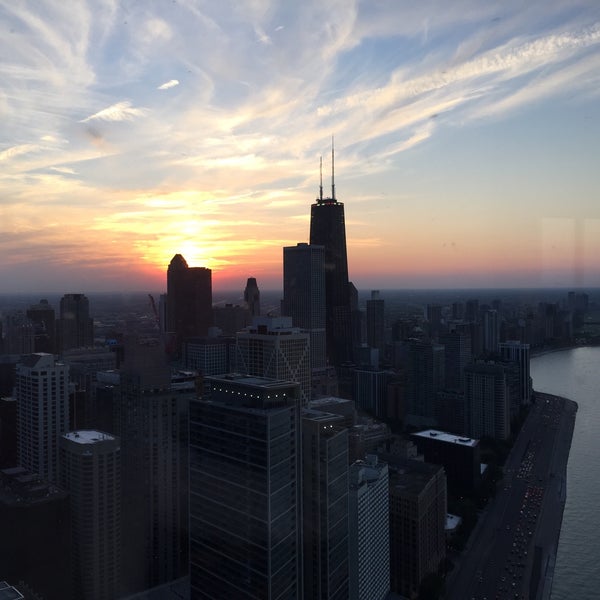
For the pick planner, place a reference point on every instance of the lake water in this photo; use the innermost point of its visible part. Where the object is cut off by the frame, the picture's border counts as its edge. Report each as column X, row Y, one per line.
column 575, row 374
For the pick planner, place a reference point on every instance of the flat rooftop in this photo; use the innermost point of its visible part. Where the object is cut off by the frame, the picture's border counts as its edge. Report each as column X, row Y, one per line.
column 450, row 438
column 87, row 436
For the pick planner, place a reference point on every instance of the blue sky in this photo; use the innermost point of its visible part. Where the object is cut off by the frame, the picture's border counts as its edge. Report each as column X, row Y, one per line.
column 467, row 137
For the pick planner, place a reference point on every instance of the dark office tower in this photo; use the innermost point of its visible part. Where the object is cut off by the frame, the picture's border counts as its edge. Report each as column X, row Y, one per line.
column 328, row 229
column 425, row 371
column 325, row 505
column 75, row 327
column 152, row 420
column 418, row 508
column 18, row 336
column 375, row 323
column 44, row 326
column 245, row 493
column 34, row 534
column 433, row 314
column 490, row 330
column 189, row 300
column 8, row 433
column 304, row 296
column 472, row 310
column 90, row 470
column 252, row 297
column 457, row 350
column 42, row 412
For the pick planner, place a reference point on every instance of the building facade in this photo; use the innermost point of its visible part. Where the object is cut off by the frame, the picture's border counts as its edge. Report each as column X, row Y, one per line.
column 325, row 505
column 90, row 470
column 245, row 497
column 42, row 412
column 369, row 548
column 304, row 296
column 272, row 348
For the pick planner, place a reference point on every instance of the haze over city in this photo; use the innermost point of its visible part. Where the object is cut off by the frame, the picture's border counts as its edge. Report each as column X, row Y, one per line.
column 466, row 140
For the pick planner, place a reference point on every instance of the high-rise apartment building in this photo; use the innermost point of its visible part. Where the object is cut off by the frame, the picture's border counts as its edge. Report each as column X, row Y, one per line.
column 487, row 401
column 245, row 493
column 189, row 300
column 252, row 297
column 518, row 353
column 369, row 548
column 42, row 412
column 325, row 505
column 90, row 470
column 272, row 348
column 304, row 296
column 328, row 229
column 75, row 327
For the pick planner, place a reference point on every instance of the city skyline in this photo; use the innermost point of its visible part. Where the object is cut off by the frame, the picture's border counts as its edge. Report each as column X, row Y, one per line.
column 465, row 141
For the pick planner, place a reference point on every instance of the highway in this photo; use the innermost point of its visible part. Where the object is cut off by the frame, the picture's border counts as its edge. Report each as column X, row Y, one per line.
column 512, row 550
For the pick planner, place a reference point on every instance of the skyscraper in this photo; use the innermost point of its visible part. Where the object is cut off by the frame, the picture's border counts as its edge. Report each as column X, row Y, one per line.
column 189, row 300
column 487, row 401
column 252, row 297
column 90, row 469
column 304, row 296
column 75, row 327
column 369, row 554
column 152, row 420
column 245, row 497
column 328, row 229
column 42, row 412
column 44, row 323
column 273, row 348
column 325, row 505
column 375, row 323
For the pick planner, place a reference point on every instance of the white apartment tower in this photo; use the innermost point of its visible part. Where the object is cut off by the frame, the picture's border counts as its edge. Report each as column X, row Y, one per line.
column 42, row 412
column 369, row 539
column 90, row 469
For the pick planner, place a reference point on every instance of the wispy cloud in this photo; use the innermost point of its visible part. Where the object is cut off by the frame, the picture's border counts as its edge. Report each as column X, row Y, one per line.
column 121, row 111
column 15, row 151
column 168, row 84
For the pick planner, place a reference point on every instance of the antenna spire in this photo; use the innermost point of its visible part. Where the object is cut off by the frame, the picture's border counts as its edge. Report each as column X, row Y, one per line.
column 332, row 172
column 321, row 179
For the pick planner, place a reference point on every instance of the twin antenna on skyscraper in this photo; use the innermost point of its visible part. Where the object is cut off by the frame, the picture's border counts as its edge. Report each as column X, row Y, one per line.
column 332, row 175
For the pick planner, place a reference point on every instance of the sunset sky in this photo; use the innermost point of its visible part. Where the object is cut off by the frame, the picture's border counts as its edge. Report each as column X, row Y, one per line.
column 467, row 140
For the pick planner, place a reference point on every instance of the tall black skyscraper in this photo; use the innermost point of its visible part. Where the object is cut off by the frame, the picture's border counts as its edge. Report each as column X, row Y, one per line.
column 328, row 229
column 252, row 297
column 189, row 300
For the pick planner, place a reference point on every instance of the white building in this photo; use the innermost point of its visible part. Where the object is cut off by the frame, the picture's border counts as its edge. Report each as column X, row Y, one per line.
column 90, row 469
column 369, row 535
column 42, row 412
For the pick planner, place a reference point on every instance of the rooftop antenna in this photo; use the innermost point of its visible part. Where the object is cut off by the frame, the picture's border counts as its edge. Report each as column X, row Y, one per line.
column 332, row 172
column 321, row 179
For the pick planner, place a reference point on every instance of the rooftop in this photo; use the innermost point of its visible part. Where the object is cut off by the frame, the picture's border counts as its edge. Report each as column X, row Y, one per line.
column 86, row 436
column 450, row 438
column 8, row 592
